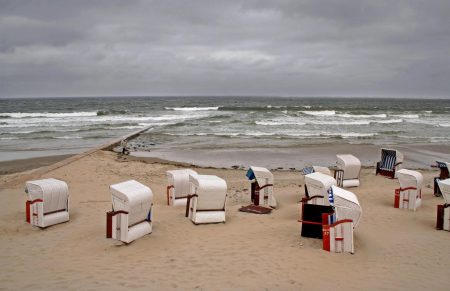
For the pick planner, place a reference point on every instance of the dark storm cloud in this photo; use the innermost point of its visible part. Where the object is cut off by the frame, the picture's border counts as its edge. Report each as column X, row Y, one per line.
column 295, row 48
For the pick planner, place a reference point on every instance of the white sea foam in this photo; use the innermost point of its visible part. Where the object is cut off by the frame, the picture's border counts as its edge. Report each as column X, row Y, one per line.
column 48, row 114
column 8, row 138
column 346, row 115
column 331, row 122
column 278, row 122
column 406, row 115
column 320, row 113
column 355, row 134
column 444, row 124
column 192, row 108
column 388, row 121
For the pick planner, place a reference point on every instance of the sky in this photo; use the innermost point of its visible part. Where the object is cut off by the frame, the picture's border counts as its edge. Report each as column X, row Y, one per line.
column 258, row 48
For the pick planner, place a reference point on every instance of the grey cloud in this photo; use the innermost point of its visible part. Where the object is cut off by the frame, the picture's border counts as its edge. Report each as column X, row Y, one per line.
column 296, row 48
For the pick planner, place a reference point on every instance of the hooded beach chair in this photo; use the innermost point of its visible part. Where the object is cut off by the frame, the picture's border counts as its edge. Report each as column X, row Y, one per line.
column 315, row 203
column 131, row 215
column 178, row 187
column 48, row 202
column 261, row 186
column 443, row 210
column 391, row 161
column 409, row 195
column 348, row 170
column 444, row 174
column 207, row 203
column 338, row 227
column 316, row 187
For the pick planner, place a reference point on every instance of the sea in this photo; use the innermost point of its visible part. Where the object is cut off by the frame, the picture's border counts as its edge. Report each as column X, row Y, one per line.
column 37, row 127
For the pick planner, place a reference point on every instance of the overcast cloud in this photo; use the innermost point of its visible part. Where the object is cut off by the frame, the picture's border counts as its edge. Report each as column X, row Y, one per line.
column 274, row 48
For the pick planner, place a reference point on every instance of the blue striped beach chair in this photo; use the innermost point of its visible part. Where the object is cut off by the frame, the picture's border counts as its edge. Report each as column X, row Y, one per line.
column 391, row 161
column 444, row 174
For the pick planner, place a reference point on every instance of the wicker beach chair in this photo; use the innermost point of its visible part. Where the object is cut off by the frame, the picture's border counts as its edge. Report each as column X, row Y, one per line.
column 261, row 186
column 348, row 170
column 207, row 203
column 131, row 215
column 47, row 203
column 316, row 187
column 178, row 187
column 391, row 161
column 409, row 195
column 443, row 210
column 444, row 174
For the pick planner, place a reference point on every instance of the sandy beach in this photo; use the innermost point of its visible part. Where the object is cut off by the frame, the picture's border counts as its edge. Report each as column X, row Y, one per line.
column 394, row 249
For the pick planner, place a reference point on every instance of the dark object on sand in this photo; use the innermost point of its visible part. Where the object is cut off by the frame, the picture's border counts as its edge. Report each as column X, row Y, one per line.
column 255, row 209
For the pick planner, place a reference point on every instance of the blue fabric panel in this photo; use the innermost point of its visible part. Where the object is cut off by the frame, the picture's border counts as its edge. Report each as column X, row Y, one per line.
column 388, row 159
column 307, row 170
column 250, row 175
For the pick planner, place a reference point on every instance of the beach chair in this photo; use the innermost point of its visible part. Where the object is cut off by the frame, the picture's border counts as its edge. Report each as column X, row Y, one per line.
column 391, row 161
column 443, row 210
column 337, row 236
column 207, row 203
column 178, row 187
column 315, row 203
column 261, row 186
column 409, row 195
column 131, row 215
column 444, row 174
column 348, row 170
column 47, row 202
column 316, row 187
column 346, row 209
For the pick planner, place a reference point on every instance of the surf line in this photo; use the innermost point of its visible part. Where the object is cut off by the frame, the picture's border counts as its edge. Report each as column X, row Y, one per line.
column 107, row 146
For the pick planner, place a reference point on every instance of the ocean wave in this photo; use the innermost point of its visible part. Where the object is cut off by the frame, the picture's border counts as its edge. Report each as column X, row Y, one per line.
column 8, row 138
column 278, row 122
column 331, row 122
column 406, row 115
column 111, row 112
column 320, row 113
column 192, row 108
column 444, row 124
column 357, row 135
column 48, row 114
column 68, row 137
column 347, row 115
column 388, row 121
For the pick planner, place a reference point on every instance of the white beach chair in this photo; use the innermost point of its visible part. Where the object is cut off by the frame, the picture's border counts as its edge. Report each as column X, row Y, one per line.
column 391, row 162
column 409, row 195
column 48, row 202
column 207, row 203
column 348, row 170
column 178, row 187
column 131, row 216
column 261, row 186
column 443, row 214
column 316, row 187
column 338, row 233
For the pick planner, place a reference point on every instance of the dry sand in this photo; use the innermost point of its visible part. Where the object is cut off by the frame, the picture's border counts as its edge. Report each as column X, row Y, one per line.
column 394, row 249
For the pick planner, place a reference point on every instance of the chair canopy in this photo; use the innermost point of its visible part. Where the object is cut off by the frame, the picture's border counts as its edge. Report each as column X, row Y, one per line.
column 318, row 184
column 350, row 164
column 314, row 169
column 346, row 204
column 180, row 180
column 54, row 193
column 408, row 178
column 390, row 157
column 132, row 197
column 444, row 185
column 261, row 175
column 211, row 191
column 441, row 165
